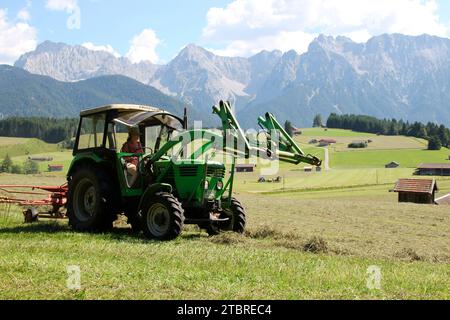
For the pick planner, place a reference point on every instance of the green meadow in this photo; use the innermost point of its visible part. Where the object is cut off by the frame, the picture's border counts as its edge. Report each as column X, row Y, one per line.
column 312, row 236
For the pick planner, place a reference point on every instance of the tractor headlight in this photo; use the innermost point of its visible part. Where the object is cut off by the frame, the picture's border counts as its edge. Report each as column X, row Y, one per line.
column 219, row 185
column 206, row 184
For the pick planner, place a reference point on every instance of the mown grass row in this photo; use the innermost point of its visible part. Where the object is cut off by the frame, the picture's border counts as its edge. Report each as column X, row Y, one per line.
column 34, row 261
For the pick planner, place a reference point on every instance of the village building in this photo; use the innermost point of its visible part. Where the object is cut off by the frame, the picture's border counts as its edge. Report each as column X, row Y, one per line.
column 433, row 169
column 392, row 165
column 55, row 168
column 416, row 190
column 245, row 168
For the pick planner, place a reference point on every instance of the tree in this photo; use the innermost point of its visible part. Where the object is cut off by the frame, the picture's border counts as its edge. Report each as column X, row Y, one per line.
column 6, row 164
column 16, row 169
column 443, row 134
column 30, row 167
column 434, row 143
column 318, row 121
column 288, row 127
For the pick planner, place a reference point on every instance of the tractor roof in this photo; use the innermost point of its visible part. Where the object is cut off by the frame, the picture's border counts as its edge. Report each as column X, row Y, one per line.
column 120, row 108
column 132, row 115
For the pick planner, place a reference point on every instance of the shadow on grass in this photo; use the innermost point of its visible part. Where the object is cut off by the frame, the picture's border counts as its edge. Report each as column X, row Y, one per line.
column 55, row 227
column 36, row 228
column 115, row 234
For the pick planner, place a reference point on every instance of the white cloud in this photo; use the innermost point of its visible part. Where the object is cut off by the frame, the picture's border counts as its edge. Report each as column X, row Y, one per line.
column 108, row 48
column 61, row 5
column 143, row 47
column 245, row 26
column 15, row 39
column 284, row 41
column 24, row 15
column 69, row 6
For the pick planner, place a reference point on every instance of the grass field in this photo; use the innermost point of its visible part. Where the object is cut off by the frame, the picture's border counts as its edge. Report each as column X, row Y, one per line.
column 332, row 133
column 314, row 236
column 377, row 159
column 408, row 243
column 18, row 146
column 62, row 157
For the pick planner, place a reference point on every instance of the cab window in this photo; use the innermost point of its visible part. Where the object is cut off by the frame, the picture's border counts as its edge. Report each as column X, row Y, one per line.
column 92, row 132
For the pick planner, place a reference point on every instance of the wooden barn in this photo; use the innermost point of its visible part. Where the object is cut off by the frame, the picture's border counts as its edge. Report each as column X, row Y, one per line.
column 326, row 142
column 40, row 159
column 416, row 190
column 392, row 165
column 245, row 167
column 433, row 169
column 55, row 168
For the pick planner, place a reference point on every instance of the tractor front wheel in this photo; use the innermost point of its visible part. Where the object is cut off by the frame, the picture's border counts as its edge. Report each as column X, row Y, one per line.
column 162, row 217
column 236, row 218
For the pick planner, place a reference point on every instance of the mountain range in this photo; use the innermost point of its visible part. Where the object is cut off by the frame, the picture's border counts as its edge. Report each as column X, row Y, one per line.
column 26, row 94
column 393, row 76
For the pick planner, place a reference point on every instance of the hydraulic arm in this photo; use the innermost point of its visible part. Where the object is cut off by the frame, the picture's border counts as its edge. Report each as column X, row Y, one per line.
column 288, row 150
column 281, row 145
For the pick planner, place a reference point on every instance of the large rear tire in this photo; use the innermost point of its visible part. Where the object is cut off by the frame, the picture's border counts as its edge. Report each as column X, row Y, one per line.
column 237, row 219
column 162, row 217
column 90, row 201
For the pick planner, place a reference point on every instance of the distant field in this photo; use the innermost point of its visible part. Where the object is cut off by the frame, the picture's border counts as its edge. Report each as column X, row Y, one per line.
column 18, row 147
column 348, row 208
column 409, row 243
column 6, row 141
column 319, row 132
column 345, row 137
column 333, row 179
column 377, row 159
column 63, row 157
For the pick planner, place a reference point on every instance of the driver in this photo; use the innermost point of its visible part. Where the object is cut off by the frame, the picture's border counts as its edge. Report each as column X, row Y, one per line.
column 133, row 145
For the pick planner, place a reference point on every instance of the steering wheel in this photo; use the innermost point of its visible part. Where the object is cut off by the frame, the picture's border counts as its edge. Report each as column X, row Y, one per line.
column 145, row 165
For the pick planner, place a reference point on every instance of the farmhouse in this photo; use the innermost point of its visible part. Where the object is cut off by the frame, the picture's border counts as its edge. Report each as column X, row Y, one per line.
column 416, row 190
column 55, row 168
column 326, row 142
column 433, row 169
column 245, row 167
column 297, row 131
column 40, row 159
column 308, row 169
column 392, row 165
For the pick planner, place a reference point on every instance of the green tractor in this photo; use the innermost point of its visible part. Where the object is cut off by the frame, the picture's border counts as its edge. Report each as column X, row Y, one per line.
column 176, row 184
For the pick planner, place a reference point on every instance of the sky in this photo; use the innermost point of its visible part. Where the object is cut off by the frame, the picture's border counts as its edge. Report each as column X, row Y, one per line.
column 157, row 30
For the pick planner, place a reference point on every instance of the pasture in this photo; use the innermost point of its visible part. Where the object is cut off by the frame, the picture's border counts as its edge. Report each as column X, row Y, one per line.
column 23, row 146
column 312, row 236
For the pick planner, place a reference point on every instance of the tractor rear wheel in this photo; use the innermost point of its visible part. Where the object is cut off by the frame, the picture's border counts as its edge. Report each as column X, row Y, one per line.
column 236, row 219
column 162, row 217
column 89, row 206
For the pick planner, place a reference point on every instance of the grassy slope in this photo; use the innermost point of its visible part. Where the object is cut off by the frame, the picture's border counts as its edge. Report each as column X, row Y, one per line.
column 63, row 157
column 377, row 159
column 270, row 262
column 332, row 133
column 18, row 147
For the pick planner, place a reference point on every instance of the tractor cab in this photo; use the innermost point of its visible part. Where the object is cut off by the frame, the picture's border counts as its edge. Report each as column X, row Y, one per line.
column 104, row 131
